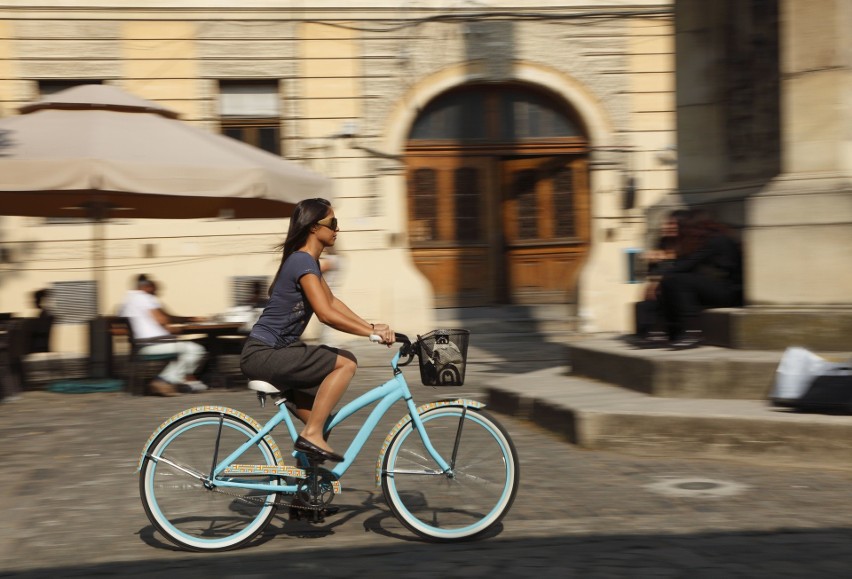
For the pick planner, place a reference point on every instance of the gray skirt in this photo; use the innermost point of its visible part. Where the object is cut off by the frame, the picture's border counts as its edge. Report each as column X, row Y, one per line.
column 294, row 367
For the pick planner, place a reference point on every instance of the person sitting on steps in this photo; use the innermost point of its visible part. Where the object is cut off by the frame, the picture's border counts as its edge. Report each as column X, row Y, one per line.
column 647, row 313
column 707, row 273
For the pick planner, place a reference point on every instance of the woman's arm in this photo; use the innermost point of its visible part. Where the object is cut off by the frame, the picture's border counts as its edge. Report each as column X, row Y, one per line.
column 334, row 313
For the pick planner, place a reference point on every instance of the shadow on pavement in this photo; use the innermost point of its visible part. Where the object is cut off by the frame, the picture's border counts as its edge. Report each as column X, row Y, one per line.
column 283, row 525
column 512, row 339
column 784, row 553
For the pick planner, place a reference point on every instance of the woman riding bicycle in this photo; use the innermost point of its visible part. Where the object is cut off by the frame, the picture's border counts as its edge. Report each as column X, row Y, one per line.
column 315, row 376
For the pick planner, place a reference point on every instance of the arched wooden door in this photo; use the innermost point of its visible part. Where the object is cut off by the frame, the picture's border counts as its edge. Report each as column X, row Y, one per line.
column 498, row 197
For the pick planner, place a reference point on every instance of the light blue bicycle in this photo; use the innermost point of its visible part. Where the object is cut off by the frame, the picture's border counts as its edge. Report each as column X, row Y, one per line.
column 211, row 477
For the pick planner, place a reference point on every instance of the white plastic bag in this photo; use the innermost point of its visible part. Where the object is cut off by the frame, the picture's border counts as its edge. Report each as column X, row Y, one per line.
column 796, row 372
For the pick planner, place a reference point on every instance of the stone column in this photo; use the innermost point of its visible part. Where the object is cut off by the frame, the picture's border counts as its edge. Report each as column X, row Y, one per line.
column 798, row 234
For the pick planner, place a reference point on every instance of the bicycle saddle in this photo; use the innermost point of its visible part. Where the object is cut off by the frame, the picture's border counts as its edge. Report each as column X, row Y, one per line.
column 263, row 387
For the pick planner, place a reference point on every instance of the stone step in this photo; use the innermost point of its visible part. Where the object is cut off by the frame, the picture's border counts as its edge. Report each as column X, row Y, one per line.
column 541, row 320
column 705, row 372
column 599, row 416
column 764, row 328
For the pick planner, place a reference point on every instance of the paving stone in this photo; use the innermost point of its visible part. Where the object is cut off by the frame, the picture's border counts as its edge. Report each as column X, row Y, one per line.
column 71, row 505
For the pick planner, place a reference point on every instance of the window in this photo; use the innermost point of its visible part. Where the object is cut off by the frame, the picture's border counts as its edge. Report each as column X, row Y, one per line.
column 527, row 115
column 250, row 113
column 478, row 113
column 456, row 116
column 424, row 188
column 74, row 302
column 633, row 273
column 563, row 214
column 524, row 190
column 467, row 193
column 244, row 287
column 51, row 87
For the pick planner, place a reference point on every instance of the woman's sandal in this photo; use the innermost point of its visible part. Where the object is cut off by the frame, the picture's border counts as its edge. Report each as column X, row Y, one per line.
column 313, row 451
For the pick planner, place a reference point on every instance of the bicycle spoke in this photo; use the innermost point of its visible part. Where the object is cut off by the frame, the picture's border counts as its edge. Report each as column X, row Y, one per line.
column 177, row 499
column 466, row 502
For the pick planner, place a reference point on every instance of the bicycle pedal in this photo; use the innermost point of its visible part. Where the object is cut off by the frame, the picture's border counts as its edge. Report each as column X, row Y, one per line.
column 297, row 514
column 308, row 515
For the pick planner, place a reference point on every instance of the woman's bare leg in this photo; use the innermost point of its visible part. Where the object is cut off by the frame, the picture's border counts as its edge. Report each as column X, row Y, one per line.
column 329, row 394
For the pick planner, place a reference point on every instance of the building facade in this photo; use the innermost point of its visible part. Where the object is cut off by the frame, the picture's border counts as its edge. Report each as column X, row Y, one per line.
column 764, row 138
column 483, row 153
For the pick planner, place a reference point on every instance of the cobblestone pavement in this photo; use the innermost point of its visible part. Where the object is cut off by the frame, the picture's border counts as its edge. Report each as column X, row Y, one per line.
column 71, row 507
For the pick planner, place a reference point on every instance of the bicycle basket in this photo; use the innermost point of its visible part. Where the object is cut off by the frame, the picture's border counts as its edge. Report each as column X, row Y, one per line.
column 443, row 357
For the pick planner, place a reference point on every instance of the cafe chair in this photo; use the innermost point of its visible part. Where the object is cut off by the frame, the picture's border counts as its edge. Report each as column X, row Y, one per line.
column 142, row 368
column 32, row 361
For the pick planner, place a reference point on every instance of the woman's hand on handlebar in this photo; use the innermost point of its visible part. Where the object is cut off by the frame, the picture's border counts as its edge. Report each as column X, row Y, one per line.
column 384, row 332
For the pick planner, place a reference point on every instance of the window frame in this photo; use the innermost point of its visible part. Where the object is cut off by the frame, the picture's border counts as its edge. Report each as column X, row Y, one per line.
column 249, row 125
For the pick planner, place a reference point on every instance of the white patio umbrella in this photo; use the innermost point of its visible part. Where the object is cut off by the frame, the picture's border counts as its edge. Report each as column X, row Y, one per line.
column 96, row 151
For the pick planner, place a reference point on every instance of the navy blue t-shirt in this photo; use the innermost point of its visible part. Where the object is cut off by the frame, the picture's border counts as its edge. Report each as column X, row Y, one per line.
column 288, row 312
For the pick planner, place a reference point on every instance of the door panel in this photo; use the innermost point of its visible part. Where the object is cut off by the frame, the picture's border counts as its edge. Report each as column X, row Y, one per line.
column 545, row 217
column 486, row 230
column 448, row 227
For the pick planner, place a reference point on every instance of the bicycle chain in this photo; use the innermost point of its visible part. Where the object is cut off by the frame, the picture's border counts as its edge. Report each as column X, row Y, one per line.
column 261, row 501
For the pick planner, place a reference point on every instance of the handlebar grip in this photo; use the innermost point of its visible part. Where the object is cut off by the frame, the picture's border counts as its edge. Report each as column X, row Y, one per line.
column 398, row 338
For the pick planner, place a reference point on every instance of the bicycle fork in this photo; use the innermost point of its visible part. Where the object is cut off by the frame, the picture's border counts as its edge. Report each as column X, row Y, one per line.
column 208, row 484
column 446, row 468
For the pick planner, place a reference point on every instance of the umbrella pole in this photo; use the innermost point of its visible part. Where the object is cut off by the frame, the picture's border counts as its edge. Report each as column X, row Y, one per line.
column 98, row 263
column 98, row 211
column 100, row 343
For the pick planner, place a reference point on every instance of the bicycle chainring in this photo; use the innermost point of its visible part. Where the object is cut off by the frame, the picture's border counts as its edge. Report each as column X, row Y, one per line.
column 319, row 496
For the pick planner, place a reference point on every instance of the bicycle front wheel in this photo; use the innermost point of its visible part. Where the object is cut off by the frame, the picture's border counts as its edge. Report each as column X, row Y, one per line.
column 181, row 507
column 468, row 501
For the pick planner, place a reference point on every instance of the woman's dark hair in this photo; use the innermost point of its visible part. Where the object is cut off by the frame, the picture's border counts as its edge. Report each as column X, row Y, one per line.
column 305, row 215
column 698, row 226
column 39, row 296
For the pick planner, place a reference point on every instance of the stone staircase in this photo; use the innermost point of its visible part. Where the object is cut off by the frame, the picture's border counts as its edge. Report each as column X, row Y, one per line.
column 706, row 372
column 743, row 349
column 551, row 321
column 709, row 402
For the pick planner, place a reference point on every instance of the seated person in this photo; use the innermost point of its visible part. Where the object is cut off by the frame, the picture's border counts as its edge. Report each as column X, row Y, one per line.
column 27, row 338
column 707, row 273
column 40, row 337
column 648, row 316
column 150, row 323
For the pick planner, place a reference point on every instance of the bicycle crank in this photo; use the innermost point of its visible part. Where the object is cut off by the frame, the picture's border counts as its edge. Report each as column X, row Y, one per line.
column 316, row 491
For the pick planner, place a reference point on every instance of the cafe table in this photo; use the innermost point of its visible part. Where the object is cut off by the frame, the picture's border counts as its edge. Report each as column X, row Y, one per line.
column 211, row 337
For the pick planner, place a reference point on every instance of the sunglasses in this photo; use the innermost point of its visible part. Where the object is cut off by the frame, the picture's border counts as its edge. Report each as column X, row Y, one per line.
column 330, row 222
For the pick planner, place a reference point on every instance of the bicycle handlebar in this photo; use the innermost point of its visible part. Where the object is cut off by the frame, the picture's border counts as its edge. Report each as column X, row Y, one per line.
column 405, row 351
column 398, row 338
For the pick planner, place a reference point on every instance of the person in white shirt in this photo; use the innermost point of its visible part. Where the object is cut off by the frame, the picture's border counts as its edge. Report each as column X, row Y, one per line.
column 150, row 323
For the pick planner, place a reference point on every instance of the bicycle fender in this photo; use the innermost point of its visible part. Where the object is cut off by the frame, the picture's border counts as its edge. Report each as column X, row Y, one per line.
column 211, row 408
column 462, row 402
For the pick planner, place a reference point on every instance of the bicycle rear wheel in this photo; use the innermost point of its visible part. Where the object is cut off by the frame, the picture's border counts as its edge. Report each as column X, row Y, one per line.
column 180, row 506
column 466, row 503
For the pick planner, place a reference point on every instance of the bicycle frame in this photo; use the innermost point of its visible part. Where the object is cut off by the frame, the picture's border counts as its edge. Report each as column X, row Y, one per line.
column 385, row 395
